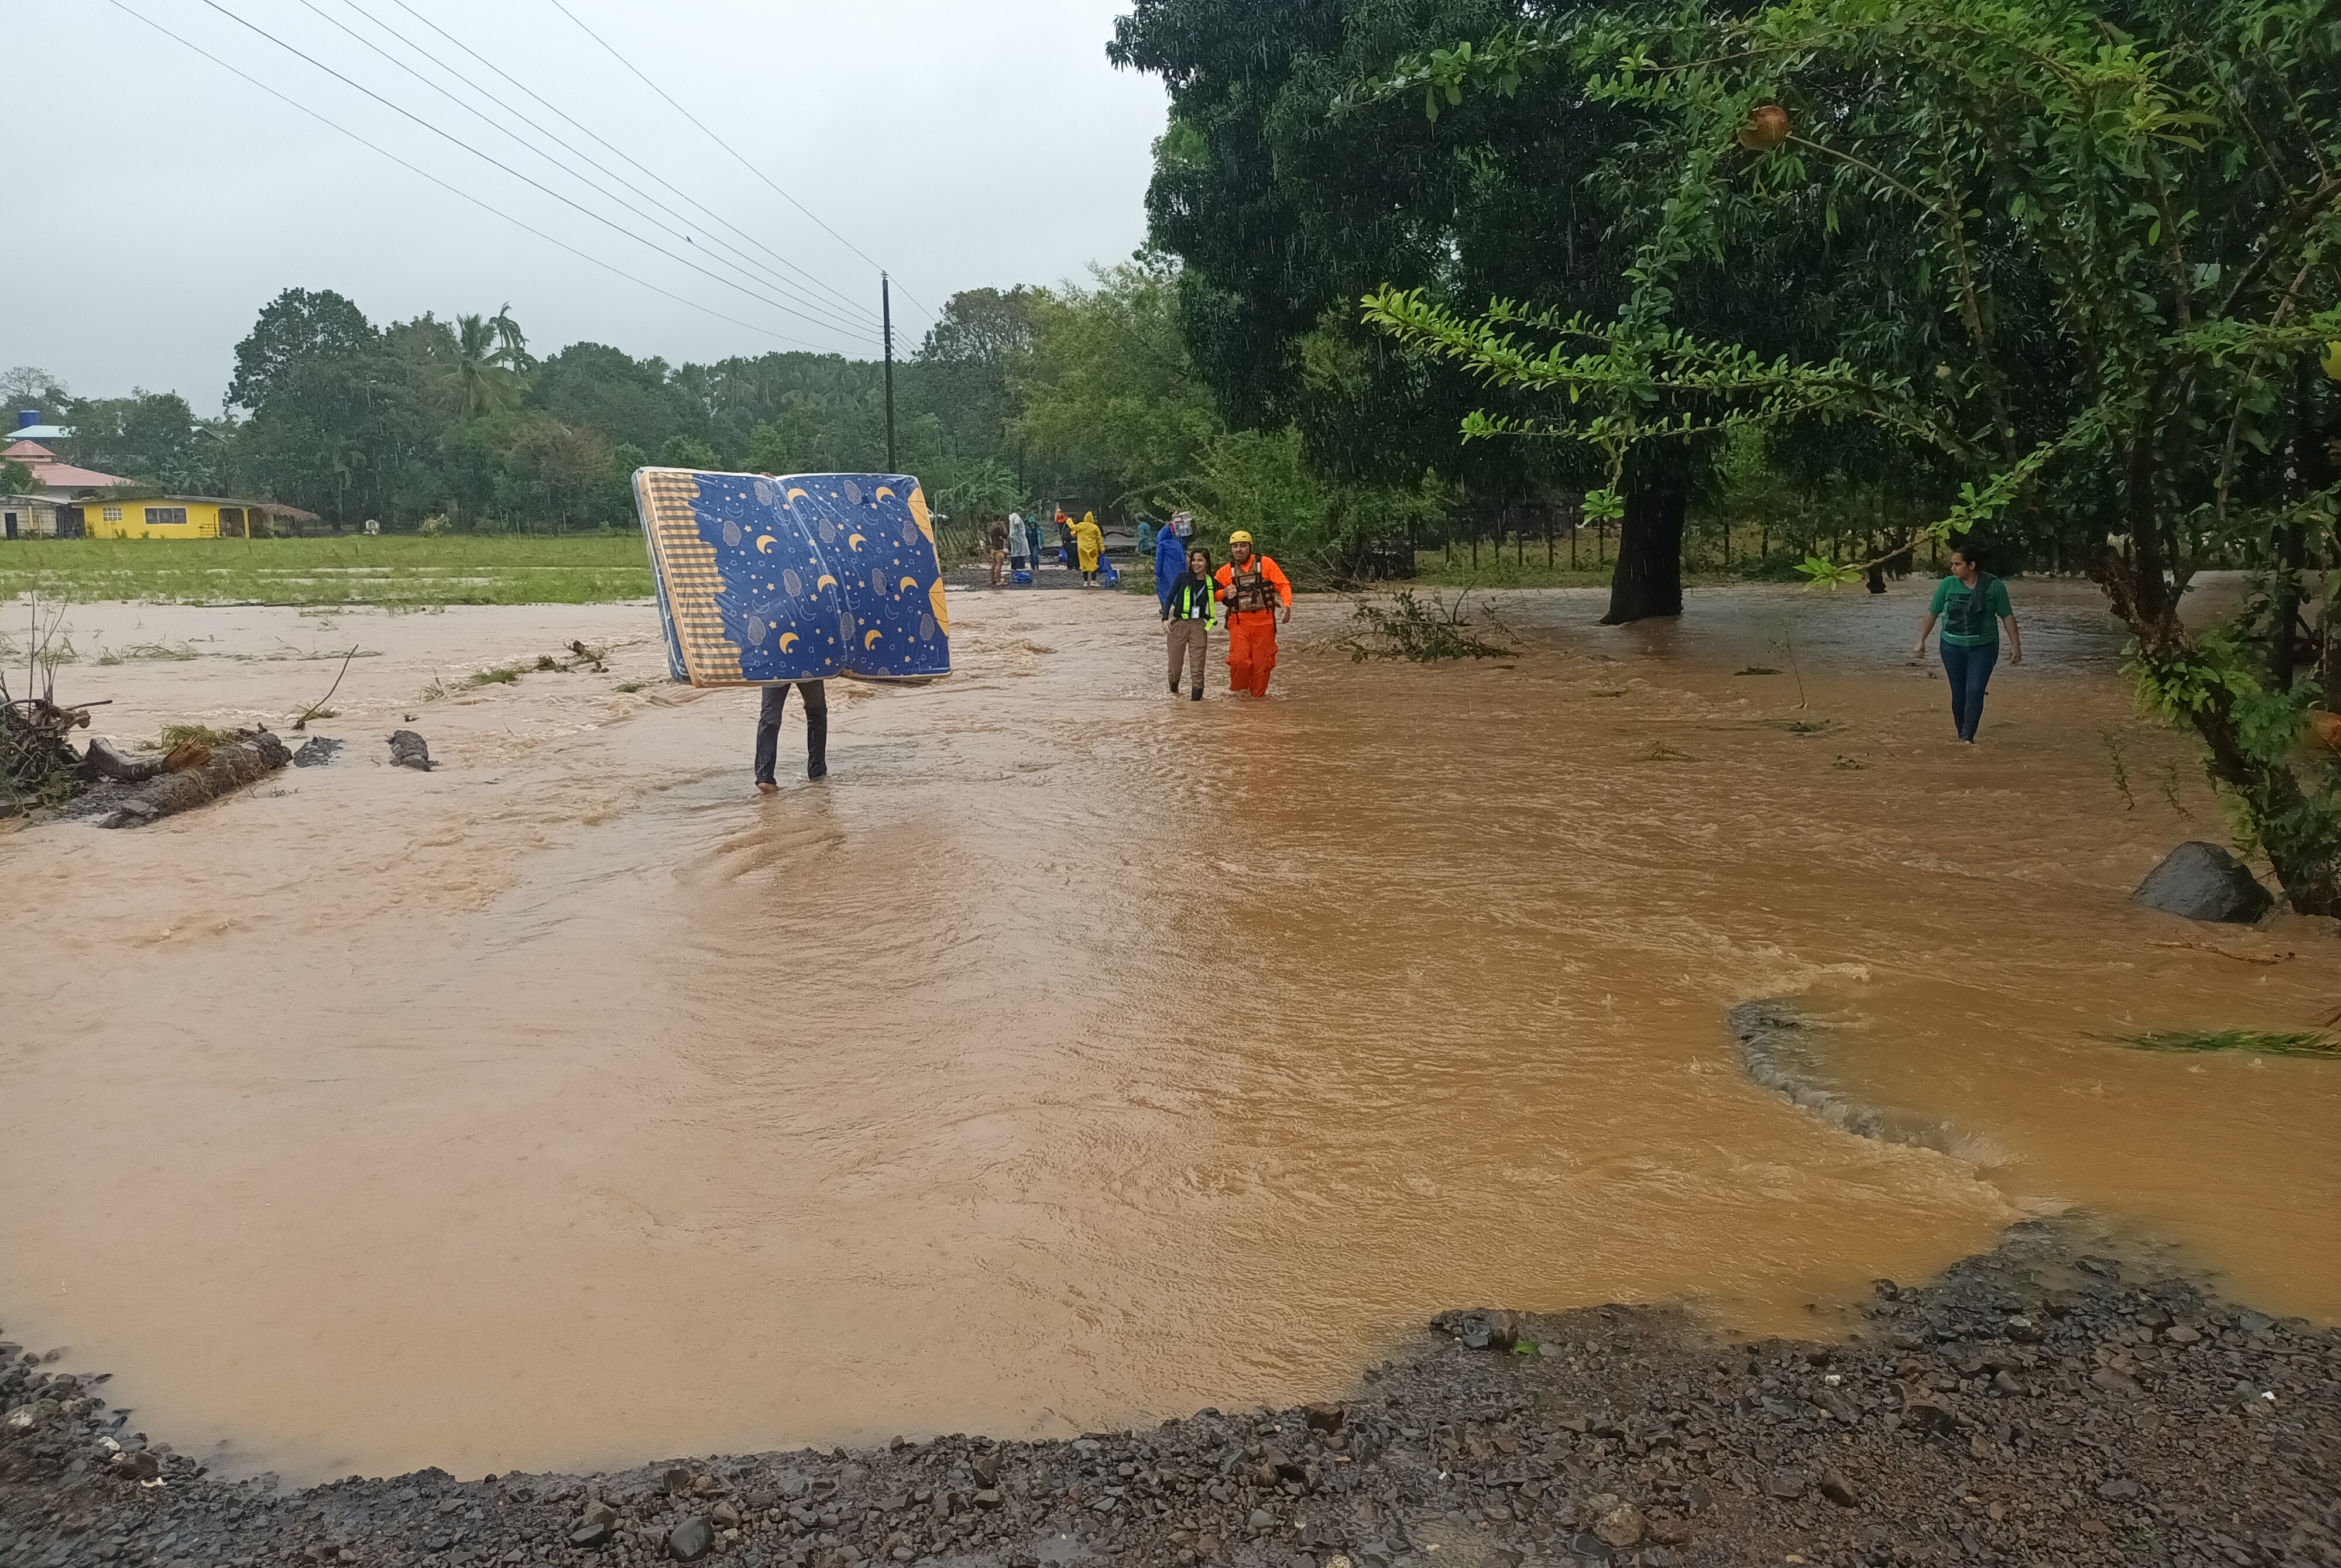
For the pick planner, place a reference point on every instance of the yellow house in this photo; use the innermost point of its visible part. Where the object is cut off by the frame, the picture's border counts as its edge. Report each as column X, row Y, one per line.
column 188, row 516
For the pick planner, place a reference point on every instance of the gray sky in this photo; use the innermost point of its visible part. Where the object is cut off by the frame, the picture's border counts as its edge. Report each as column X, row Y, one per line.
column 159, row 201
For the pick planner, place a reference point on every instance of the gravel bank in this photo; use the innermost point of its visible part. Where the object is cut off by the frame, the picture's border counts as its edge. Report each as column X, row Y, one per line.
column 2036, row 1405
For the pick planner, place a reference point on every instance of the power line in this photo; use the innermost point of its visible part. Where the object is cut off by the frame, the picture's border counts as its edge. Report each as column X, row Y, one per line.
column 560, row 7
column 915, row 299
column 278, row 94
column 769, row 278
column 709, row 213
column 824, row 319
column 498, row 163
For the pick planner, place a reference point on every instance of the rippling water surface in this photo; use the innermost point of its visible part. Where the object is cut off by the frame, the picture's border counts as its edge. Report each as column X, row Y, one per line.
column 1075, row 1058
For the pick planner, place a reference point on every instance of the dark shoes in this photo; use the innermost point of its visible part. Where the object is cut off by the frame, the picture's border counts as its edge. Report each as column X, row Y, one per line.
column 1194, row 696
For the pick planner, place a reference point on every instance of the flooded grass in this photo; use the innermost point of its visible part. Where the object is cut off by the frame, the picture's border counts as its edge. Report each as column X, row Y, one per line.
column 404, row 573
column 175, row 736
column 2252, row 1042
column 1406, row 627
column 137, row 652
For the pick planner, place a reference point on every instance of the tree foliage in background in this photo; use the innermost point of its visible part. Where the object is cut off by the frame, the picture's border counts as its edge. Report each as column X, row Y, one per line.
column 2078, row 260
column 1108, row 390
column 1079, row 394
column 29, row 388
column 1283, row 212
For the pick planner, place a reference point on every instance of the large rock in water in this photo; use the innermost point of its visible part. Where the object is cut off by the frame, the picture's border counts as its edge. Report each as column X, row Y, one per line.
column 2203, row 882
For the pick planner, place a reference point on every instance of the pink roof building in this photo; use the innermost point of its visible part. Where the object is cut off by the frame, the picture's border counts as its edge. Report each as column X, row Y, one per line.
column 52, row 479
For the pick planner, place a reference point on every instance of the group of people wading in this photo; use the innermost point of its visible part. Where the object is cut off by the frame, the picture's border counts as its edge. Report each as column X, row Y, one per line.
column 1015, row 545
column 1250, row 589
column 1253, row 595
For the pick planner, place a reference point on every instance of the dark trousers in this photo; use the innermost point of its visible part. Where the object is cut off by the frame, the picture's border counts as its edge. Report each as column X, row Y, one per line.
column 768, row 729
column 1969, row 672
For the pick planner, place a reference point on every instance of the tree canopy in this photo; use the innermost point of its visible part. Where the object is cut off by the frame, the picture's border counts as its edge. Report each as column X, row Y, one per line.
column 2077, row 260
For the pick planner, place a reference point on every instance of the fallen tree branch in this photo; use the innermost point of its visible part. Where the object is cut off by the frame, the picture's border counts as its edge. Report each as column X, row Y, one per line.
column 2239, row 958
column 230, row 766
column 106, row 762
column 303, row 722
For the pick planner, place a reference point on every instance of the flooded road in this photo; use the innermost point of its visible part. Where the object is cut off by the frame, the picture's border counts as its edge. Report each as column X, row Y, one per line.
column 1074, row 1057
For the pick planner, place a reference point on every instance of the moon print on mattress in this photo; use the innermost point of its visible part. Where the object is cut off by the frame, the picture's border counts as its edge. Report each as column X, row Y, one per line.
column 799, row 577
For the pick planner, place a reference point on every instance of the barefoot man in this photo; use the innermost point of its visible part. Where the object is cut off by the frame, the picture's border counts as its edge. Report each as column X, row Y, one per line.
column 1254, row 589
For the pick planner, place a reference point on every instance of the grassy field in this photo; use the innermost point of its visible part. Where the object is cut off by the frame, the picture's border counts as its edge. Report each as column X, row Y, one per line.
column 394, row 570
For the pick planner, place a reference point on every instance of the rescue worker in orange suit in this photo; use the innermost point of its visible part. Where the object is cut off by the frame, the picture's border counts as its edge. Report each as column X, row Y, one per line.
column 1254, row 589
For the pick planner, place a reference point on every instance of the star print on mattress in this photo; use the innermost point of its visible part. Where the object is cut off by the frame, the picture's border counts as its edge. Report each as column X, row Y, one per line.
column 798, row 578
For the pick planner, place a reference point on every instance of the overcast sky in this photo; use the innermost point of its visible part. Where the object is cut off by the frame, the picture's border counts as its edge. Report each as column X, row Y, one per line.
column 157, row 201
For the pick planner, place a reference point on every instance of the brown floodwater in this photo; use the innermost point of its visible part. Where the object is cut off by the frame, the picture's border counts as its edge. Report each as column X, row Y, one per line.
column 1074, row 1057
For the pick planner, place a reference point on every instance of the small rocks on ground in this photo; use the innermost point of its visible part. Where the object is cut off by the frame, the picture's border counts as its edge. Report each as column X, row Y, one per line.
column 1644, row 1441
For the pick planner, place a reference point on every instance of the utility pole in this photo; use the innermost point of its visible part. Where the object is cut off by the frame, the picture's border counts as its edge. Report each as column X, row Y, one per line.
column 886, row 315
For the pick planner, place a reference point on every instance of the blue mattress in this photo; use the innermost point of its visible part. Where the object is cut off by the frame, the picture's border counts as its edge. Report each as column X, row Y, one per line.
column 795, row 578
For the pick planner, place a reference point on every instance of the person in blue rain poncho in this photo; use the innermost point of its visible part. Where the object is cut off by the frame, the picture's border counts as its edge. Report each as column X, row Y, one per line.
column 1170, row 554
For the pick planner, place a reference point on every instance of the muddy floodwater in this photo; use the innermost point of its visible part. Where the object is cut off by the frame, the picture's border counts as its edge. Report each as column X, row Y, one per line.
column 1075, row 1057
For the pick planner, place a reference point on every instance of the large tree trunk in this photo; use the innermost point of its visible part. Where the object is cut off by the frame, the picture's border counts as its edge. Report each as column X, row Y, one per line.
column 1648, row 579
column 229, row 767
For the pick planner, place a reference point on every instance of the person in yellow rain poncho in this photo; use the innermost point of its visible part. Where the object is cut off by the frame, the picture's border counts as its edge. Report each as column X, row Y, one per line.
column 1088, row 543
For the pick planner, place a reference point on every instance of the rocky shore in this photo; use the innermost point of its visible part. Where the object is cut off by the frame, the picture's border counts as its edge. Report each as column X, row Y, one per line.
column 2038, row 1404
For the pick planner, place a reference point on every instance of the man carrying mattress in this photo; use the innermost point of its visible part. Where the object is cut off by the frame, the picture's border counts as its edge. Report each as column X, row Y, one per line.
column 1254, row 589
column 768, row 732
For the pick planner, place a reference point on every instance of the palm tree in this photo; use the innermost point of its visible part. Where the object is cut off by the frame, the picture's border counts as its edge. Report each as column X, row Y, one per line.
column 486, row 380
column 511, row 347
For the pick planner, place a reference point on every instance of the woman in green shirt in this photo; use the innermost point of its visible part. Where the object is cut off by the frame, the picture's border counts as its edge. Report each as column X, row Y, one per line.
column 1972, row 604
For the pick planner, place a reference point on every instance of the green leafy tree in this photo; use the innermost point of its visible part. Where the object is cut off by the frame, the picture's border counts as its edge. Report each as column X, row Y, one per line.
column 297, row 330
column 2079, row 258
column 1112, row 406
column 608, row 389
column 984, row 489
column 147, row 437
column 15, row 479
column 967, row 370
column 682, row 451
column 1285, row 208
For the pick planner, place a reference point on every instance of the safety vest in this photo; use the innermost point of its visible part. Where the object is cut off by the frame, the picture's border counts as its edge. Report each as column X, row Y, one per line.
column 1184, row 609
column 1249, row 589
